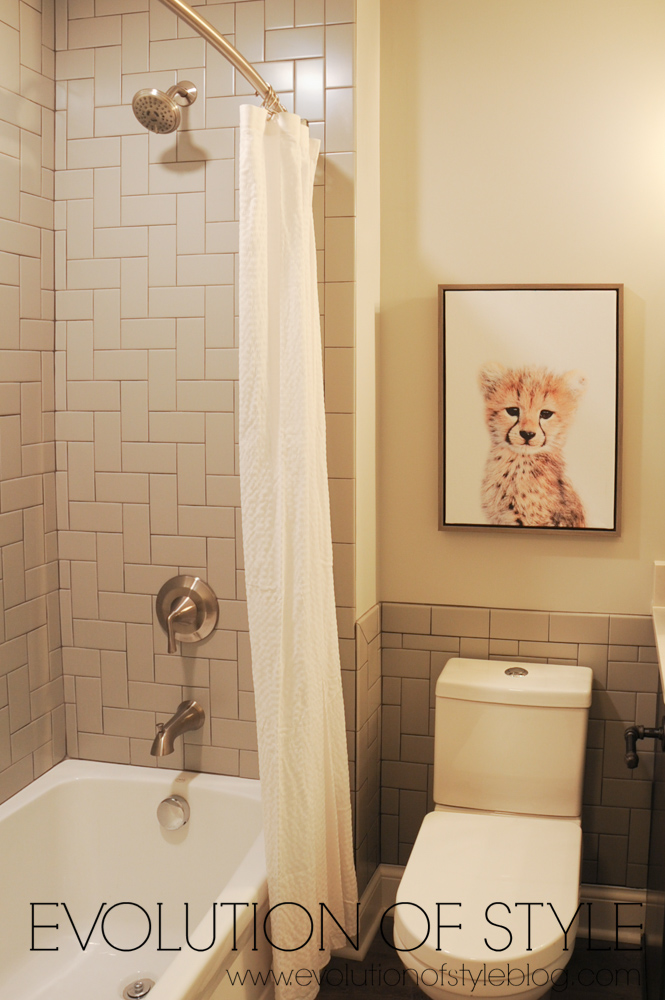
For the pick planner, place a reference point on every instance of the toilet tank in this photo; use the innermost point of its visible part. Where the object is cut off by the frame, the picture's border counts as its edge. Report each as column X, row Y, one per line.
column 511, row 737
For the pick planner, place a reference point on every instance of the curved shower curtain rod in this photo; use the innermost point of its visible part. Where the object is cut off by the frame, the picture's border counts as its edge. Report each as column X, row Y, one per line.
column 270, row 100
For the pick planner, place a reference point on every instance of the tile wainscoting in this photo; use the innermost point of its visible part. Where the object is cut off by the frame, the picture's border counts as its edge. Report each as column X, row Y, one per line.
column 366, row 764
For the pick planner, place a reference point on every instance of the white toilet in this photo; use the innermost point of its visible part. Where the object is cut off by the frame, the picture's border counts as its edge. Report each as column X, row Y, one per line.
column 508, row 768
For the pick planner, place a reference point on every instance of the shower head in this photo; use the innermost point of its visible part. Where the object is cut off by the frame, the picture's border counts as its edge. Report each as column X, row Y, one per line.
column 160, row 112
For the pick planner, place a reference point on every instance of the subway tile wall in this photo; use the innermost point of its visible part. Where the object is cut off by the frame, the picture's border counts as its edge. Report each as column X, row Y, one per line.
column 31, row 683
column 146, row 354
column 417, row 642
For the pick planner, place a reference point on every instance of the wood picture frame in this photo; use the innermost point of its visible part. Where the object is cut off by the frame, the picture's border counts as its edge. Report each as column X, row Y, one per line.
column 530, row 387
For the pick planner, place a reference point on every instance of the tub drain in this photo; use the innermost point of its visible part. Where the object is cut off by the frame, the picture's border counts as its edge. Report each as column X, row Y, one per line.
column 137, row 989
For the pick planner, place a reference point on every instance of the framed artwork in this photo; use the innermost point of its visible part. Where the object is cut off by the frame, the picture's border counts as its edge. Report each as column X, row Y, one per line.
column 530, row 407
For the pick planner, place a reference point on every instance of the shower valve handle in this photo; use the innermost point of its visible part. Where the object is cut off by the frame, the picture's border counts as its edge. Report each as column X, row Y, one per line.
column 187, row 610
column 182, row 619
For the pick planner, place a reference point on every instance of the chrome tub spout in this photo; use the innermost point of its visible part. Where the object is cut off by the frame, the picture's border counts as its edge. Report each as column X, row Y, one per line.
column 189, row 716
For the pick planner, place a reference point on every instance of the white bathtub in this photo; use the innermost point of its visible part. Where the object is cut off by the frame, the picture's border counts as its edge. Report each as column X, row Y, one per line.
column 86, row 834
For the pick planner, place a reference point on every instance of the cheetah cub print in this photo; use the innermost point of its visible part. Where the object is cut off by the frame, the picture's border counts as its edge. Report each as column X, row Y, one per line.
column 528, row 413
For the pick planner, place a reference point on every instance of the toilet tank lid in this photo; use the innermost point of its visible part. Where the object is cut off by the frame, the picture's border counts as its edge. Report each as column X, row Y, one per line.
column 500, row 682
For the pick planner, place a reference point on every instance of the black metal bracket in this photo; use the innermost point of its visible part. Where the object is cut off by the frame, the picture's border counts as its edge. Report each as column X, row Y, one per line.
column 635, row 733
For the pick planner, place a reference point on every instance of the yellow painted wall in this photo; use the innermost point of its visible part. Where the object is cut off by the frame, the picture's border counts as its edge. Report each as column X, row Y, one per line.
column 521, row 141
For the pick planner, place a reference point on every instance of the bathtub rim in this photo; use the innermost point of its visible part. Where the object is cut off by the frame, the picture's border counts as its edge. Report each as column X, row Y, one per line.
column 74, row 769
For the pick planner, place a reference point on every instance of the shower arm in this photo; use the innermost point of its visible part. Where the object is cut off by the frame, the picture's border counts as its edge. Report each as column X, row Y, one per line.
column 270, row 100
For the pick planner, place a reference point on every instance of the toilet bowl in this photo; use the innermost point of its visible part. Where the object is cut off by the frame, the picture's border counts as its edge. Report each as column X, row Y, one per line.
column 488, row 902
column 465, row 923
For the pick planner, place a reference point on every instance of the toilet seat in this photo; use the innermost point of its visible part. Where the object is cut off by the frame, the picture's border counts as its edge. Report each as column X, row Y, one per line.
column 483, row 860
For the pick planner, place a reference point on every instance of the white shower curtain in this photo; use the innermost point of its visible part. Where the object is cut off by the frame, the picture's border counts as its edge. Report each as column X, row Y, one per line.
column 288, row 551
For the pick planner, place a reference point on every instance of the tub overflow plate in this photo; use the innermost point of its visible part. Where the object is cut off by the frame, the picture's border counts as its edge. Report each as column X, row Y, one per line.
column 139, row 988
column 516, row 672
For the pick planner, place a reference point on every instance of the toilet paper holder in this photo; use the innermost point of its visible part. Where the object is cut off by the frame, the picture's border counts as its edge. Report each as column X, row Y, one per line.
column 635, row 733
column 187, row 610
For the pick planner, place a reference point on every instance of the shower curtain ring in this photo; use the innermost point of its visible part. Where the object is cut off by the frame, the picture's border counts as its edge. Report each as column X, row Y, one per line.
column 271, row 103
